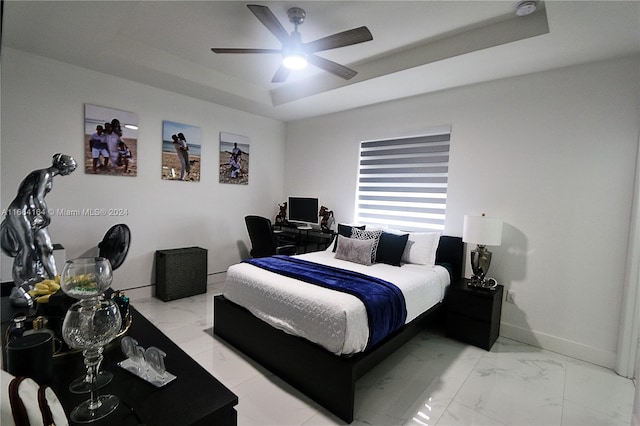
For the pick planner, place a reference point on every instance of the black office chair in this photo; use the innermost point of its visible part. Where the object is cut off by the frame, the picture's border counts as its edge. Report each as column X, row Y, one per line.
column 263, row 241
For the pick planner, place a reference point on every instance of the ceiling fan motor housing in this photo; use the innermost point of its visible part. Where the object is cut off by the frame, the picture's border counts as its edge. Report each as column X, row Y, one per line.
column 296, row 15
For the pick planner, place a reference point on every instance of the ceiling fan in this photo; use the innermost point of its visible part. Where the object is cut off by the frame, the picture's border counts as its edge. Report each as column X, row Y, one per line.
column 295, row 53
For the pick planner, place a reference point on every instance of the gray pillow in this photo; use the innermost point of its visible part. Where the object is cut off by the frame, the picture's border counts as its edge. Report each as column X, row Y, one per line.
column 353, row 250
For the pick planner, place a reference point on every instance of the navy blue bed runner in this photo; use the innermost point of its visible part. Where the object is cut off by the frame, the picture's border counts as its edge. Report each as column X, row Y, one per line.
column 384, row 302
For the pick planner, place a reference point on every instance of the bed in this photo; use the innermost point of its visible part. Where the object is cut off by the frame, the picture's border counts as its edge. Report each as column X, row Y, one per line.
column 324, row 366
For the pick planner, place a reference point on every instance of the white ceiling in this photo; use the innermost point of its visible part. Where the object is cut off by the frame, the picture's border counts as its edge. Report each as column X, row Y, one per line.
column 418, row 46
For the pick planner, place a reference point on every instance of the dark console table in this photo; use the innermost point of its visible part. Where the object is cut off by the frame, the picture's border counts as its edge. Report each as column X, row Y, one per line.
column 194, row 398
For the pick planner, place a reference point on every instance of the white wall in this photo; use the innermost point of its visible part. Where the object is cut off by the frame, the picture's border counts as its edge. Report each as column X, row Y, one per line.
column 551, row 153
column 43, row 113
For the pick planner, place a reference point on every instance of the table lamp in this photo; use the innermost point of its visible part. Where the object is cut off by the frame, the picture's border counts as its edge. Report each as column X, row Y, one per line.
column 483, row 231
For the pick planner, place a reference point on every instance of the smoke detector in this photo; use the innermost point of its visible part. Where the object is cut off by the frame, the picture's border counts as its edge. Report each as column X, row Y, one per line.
column 526, row 7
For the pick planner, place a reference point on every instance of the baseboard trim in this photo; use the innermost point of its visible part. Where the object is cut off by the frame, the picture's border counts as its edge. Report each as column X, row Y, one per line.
column 216, row 277
column 142, row 292
column 555, row 344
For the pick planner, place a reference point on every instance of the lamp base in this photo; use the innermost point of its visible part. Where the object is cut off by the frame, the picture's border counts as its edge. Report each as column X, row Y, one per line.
column 485, row 284
column 480, row 261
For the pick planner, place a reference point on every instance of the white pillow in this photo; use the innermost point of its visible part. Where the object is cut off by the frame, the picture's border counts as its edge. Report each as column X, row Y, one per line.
column 421, row 248
column 354, row 250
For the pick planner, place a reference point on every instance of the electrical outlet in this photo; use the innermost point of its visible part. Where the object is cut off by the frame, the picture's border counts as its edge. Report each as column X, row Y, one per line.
column 511, row 296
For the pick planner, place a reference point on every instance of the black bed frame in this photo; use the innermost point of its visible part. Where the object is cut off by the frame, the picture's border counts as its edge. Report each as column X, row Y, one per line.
column 326, row 378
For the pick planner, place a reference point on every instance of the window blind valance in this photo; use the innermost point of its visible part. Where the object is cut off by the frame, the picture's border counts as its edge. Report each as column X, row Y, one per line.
column 402, row 182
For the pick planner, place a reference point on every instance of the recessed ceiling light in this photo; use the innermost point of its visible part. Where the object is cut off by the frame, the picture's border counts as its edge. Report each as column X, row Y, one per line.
column 526, row 7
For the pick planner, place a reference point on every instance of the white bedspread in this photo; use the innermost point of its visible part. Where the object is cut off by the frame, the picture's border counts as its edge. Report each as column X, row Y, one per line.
column 337, row 321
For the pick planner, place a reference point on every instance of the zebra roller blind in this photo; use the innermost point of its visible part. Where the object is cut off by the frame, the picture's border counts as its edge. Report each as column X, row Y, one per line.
column 402, row 183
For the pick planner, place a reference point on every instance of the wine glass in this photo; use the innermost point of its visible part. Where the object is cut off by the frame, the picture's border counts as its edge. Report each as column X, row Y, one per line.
column 89, row 325
column 87, row 278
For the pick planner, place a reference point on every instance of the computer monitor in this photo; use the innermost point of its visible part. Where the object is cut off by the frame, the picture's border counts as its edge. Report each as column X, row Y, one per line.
column 303, row 209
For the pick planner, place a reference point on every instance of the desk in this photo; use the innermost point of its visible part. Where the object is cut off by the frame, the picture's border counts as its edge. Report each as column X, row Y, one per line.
column 194, row 398
column 305, row 238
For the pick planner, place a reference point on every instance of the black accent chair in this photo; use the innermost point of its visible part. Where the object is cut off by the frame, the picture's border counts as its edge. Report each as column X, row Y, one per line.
column 263, row 241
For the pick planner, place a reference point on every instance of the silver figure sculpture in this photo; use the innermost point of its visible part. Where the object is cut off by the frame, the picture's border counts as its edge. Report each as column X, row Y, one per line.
column 23, row 232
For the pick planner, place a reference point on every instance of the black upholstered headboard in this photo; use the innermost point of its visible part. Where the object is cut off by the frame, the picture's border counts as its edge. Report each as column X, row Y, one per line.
column 451, row 254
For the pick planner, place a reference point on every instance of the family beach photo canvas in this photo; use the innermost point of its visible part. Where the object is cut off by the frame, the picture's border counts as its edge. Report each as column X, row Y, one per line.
column 110, row 141
column 234, row 159
column 181, row 144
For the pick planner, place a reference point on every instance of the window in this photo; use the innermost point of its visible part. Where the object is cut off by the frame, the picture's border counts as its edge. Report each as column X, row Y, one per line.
column 402, row 183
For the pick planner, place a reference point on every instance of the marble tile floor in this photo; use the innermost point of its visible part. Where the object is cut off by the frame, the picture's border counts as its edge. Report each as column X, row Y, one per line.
column 432, row 380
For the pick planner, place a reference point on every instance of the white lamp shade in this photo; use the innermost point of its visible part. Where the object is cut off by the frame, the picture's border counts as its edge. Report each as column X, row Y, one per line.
column 482, row 230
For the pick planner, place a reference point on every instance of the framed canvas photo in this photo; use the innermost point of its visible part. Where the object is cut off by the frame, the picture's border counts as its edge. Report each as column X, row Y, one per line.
column 110, row 141
column 181, row 145
column 234, row 159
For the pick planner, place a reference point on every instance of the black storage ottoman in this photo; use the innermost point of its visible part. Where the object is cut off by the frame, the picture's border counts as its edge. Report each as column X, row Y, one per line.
column 181, row 272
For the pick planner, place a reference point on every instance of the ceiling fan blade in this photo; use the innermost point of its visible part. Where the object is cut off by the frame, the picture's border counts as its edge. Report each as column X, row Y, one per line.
column 345, row 38
column 281, row 75
column 332, row 67
column 269, row 20
column 242, row 50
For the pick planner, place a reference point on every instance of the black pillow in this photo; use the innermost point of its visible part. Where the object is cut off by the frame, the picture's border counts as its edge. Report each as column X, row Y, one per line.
column 390, row 248
column 345, row 231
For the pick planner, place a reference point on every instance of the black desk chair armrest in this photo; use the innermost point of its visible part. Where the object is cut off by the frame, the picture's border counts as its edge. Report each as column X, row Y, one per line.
column 288, row 250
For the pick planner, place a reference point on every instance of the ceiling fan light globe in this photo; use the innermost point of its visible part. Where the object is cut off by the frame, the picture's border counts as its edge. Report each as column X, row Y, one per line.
column 294, row 62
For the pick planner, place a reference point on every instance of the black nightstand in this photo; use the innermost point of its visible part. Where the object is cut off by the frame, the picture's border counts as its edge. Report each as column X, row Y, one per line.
column 473, row 315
